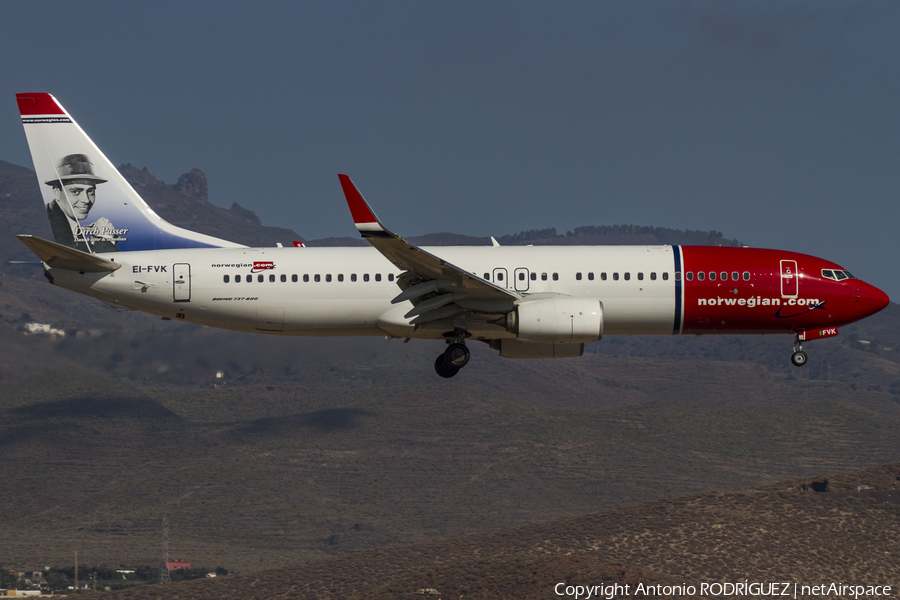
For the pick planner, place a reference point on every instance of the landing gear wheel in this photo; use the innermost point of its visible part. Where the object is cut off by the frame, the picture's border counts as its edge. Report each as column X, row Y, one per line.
column 457, row 355
column 799, row 358
column 443, row 367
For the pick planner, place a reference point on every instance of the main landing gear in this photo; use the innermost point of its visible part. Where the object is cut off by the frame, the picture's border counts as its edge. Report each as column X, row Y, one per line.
column 799, row 357
column 454, row 358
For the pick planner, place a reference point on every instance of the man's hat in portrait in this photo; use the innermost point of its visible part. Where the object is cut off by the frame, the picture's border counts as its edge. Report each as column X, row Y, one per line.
column 75, row 168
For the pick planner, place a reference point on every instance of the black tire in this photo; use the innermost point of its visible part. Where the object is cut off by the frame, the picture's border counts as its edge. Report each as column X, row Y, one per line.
column 457, row 355
column 443, row 368
column 799, row 358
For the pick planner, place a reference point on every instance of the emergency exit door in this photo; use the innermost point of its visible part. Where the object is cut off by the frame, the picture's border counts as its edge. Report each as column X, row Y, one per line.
column 181, row 273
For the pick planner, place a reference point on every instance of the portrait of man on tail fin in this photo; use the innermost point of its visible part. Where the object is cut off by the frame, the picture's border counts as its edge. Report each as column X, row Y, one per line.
column 74, row 194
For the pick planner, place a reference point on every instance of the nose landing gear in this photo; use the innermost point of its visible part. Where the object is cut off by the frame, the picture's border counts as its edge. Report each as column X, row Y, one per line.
column 454, row 358
column 799, row 357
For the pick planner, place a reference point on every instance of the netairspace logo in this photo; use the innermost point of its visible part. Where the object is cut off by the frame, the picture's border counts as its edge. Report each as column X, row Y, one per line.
column 741, row 588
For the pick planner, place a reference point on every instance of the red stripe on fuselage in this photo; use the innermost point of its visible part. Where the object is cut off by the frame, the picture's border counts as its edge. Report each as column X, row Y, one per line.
column 762, row 304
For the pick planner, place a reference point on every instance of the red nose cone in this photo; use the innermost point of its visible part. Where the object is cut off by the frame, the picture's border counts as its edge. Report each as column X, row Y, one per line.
column 872, row 299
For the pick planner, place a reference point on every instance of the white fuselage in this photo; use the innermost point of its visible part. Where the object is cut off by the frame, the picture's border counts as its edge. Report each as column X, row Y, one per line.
column 348, row 291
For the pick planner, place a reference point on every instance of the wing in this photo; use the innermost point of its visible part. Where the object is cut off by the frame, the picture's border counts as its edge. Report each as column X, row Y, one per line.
column 437, row 288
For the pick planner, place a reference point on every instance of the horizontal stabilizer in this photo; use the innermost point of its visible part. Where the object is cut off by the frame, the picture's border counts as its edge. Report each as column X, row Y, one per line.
column 58, row 256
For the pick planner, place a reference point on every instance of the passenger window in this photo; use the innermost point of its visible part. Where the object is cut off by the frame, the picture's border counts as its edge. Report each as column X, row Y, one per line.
column 543, row 277
column 294, row 278
column 365, row 276
column 602, row 276
column 317, row 278
column 627, row 276
column 690, row 275
column 328, row 278
column 521, row 276
column 260, row 278
column 724, row 276
column 556, row 277
column 499, row 276
column 237, row 278
column 615, row 276
column 653, row 276
column 390, row 276
column 590, row 276
column 533, row 276
column 487, row 276
column 640, row 276
column 352, row 276
column 306, row 279
column 377, row 276
column 746, row 275
column 712, row 275
column 271, row 279
column 340, row 276
column 734, row 275
column 578, row 276
column 225, row 279
column 701, row 275
column 249, row 279
column 677, row 276
column 283, row 278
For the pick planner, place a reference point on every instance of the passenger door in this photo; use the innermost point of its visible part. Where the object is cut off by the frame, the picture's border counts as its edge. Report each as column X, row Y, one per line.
column 790, row 281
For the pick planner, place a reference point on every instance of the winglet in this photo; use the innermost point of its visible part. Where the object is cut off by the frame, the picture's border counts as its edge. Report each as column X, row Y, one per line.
column 363, row 217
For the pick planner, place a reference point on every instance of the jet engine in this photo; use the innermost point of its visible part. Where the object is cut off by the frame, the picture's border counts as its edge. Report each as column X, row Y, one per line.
column 558, row 320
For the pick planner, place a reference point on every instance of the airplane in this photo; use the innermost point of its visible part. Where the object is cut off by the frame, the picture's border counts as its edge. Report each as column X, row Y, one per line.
column 523, row 301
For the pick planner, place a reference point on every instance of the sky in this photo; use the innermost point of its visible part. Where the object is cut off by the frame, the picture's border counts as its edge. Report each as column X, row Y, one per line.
column 776, row 123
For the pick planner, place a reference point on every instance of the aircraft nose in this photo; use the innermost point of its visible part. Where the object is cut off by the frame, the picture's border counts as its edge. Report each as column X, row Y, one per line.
column 871, row 298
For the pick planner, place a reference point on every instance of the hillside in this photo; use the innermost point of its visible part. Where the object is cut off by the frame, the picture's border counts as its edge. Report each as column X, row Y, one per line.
column 266, row 452
column 777, row 533
column 308, row 448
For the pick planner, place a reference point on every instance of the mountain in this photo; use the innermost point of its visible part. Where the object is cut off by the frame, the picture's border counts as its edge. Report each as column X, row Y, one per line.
column 629, row 235
column 186, row 204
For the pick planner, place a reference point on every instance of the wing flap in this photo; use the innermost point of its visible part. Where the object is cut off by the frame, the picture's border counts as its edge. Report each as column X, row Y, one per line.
column 58, row 256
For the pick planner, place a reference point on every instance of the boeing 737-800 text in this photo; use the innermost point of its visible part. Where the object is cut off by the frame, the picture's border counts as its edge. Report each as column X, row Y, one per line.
column 525, row 302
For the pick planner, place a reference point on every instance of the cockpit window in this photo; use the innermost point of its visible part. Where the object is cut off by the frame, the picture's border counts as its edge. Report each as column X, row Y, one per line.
column 836, row 274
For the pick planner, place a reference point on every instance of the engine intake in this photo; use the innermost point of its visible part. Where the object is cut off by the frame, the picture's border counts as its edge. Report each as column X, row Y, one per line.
column 560, row 320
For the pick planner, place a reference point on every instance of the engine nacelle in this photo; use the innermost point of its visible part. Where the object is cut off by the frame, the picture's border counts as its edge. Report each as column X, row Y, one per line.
column 559, row 320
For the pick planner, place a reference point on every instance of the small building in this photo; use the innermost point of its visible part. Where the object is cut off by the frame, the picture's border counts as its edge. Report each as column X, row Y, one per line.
column 177, row 564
